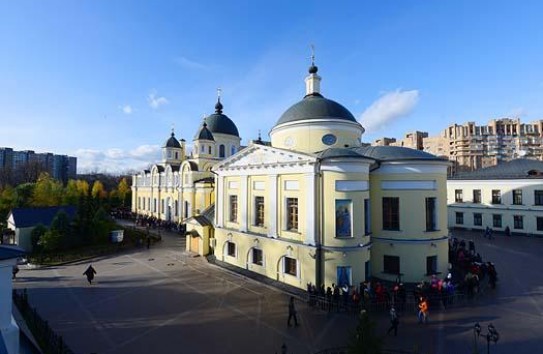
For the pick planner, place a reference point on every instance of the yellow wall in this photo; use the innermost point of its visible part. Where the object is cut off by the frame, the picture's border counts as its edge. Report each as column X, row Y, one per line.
column 309, row 139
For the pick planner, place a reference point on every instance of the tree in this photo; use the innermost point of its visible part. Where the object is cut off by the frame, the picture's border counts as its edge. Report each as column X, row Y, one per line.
column 101, row 225
column 47, row 191
column 24, row 194
column 82, row 187
column 364, row 340
column 50, row 241
column 62, row 228
column 71, row 193
column 98, row 191
column 36, row 235
column 123, row 189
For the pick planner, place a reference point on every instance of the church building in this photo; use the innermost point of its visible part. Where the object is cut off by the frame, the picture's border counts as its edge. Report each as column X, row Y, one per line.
column 314, row 206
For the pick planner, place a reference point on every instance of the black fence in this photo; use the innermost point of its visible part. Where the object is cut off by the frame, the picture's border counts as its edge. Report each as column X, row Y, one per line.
column 49, row 341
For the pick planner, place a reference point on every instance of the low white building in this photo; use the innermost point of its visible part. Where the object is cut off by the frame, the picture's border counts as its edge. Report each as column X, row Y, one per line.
column 9, row 339
column 508, row 195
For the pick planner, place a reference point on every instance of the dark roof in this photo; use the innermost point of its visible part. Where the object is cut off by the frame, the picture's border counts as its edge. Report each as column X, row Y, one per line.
column 175, row 168
column 220, row 123
column 10, row 252
column 193, row 165
column 395, row 153
column 206, row 179
column 29, row 217
column 315, row 106
column 206, row 217
column 172, row 142
column 3, row 349
column 204, row 133
column 514, row 169
column 338, row 152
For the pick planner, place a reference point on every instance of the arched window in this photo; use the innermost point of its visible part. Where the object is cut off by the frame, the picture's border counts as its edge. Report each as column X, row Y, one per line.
column 209, row 150
column 233, row 150
column 221, row 150
column 203, row 148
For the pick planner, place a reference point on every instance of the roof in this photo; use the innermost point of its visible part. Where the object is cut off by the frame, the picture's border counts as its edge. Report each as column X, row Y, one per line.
column 514, row 169
column 396, row 153
column 206, row 217
column 315, row 106
column 30, row 217
column 10, row 252
column 220, row 123
column 172, row 142
column 3, row 349
column 204, row 133
column 379, row 153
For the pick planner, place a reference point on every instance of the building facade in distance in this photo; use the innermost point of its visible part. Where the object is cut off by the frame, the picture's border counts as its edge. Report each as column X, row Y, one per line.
column 25, row 166
column 506, row 196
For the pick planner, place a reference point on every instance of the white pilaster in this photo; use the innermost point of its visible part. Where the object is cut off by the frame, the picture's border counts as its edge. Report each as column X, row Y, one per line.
column 219, row 203
column 243, row 195
column 273, row 210
column 310, row 208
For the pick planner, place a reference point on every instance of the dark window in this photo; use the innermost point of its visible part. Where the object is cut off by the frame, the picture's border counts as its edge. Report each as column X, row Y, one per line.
column 517, row 196
column 259, row 211
column 209, row 150
column 477, row 196
column 539, row 221
column 477, row 219
column 496, row 196
column 391, row 213
column 459, row 218
column 292, row 214
column 367, row 217
column 431, row 214
column 257, row 256
column 233, row 208
column 391, row 264
column 431, row 265
column 186, row 209
column 518, row 222
column 221, row 151
column 231, row 249
column 496, row 220
column 538, row 197
column 458, row 196
column 290, row 266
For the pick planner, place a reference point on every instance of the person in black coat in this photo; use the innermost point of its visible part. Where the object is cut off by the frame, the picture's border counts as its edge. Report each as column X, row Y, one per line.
column 90, row 273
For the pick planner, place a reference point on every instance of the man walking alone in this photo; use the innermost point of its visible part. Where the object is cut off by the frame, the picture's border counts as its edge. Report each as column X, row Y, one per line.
column 292, row 312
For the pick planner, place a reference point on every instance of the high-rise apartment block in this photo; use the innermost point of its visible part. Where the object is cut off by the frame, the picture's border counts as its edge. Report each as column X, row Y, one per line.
column 470, row 146
column 25, row 166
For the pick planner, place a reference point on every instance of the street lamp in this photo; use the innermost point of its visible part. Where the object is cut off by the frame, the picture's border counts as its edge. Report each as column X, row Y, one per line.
column 491, row 336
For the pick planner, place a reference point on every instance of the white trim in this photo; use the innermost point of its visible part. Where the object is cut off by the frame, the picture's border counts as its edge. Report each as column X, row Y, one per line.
column 352, row 186
column 272, row 203
column 259, row 185
column 310, row 205
column 412, row 167
column 292, row 185
column 242, row 204
column 359, row 166
column 408, row 185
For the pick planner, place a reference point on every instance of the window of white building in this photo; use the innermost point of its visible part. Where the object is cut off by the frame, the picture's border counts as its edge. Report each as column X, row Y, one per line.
column 290, row 266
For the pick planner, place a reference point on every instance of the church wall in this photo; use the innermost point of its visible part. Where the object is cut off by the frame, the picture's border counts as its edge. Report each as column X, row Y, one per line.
column 292, row 186
column 307, row 135
column 273, row 250
column 353, row 260
column 412, row 243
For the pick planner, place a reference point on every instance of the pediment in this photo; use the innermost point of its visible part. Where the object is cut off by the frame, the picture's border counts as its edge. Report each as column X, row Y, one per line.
column 258, row 155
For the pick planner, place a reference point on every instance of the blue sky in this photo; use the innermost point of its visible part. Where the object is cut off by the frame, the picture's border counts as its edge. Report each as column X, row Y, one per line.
column 106, row 80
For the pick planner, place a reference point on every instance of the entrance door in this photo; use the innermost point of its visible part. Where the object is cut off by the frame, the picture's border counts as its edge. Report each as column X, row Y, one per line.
column 195, row 244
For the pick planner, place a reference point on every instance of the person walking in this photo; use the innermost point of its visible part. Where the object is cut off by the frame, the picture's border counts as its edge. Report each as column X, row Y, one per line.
column 292, row 312
column 90, row 272
column 394, row 321
column 423, row 310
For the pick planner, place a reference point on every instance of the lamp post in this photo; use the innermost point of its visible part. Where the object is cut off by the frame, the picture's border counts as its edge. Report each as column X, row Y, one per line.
column 491, row 336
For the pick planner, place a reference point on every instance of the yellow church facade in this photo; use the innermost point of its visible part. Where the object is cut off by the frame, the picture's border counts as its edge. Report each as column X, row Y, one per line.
column 314, row 205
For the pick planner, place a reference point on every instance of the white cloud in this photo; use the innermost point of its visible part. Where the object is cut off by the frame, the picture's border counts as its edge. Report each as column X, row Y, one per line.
column 190, row 64
column 127, row 109
column 116, row 160
column 517, row 112
column 156, row 101
column 390, row 106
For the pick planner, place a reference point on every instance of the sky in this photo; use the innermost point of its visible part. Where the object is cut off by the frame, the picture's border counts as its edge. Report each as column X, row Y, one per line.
column 107, row 80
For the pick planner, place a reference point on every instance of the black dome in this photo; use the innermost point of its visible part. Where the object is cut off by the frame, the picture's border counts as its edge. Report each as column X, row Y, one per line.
column 220, row 123
column 172, row 142
column 204, row 133
column 315, row 106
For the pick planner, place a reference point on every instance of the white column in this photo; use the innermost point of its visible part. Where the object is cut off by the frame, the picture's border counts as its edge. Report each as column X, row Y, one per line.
column 309, row 181
column 219, row 203
column 272, row 203
column 243, row 195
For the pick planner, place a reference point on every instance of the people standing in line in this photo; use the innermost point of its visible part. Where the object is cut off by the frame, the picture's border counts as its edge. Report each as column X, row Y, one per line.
column 394, row 321
column 14, row 272
column 292, row 312
column 90, row 272
column 423, row 310
column 148, row 242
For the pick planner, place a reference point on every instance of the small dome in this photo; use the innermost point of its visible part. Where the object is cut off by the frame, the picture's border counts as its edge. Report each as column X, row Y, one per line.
column 220, row 123
column 204, row 134
column 172, row 142
column 315, row 106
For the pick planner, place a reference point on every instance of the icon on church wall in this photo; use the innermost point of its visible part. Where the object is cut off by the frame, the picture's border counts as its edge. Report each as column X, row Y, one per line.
column 343, row 218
